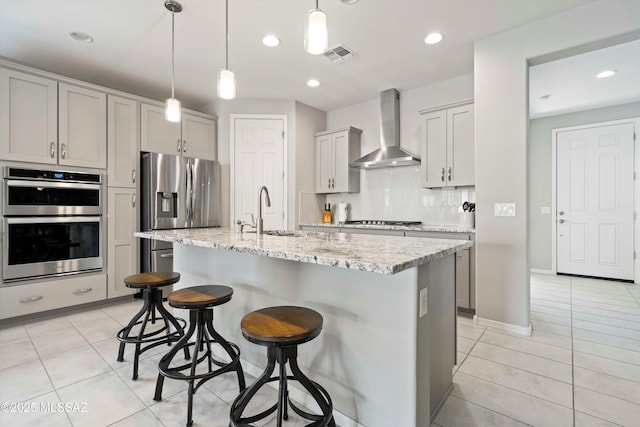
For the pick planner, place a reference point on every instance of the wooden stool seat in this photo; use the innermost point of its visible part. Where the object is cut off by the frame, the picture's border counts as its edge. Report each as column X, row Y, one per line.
column 149, row 280
column 281, row 326
column 200, row 296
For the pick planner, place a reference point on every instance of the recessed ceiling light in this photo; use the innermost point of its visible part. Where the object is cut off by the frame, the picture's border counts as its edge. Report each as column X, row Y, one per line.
column 605, row 74
column 433, row 38
column 313, row 83
column 81, row 37
column 270, row 41
column 545, row 97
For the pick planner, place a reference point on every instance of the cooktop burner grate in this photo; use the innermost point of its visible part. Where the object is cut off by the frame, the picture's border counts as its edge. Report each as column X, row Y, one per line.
column 382, row 222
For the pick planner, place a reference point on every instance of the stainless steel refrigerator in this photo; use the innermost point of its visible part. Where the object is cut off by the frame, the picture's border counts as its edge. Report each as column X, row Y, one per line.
column 177, row 192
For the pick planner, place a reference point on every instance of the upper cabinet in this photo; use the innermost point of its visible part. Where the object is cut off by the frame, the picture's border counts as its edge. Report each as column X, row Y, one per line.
column 30, row 110
column 28, row 118
column 123, row 142
column 82, row 127
column 448, row 158
column 335, row 150
column 194, row 136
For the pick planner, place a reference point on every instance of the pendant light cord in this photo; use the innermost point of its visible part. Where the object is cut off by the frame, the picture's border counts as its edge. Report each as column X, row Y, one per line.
column 226, row 26
column 172, row 52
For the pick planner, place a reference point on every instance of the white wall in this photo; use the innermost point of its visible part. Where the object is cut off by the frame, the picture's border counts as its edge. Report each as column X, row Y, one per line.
column 501, row 106
column 540, row 190
column 395, row 193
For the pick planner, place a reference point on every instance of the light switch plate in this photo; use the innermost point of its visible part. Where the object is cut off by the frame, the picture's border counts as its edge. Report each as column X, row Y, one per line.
column 504, row 209
column 545, row 210
column 424, row 302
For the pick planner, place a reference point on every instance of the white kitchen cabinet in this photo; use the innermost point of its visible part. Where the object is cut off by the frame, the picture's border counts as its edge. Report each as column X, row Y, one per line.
column 448, row 158
column 122, row 246
column 465, row 266
column 23, row 299
column 123, row 142
column 335, row 150
column 194, row 136
column 82, row 127
column 28, row 117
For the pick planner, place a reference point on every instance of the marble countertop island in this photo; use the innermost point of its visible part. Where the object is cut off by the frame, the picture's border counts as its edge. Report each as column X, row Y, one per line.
column 388, row 343
column 377, row 254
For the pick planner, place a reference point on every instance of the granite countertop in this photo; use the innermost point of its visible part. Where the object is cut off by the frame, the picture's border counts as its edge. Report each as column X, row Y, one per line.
column 364, row 252
column 438, row 228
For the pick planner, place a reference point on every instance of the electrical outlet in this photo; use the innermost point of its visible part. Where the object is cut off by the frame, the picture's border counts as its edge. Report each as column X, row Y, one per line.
column 504, row 209
column 424, row 302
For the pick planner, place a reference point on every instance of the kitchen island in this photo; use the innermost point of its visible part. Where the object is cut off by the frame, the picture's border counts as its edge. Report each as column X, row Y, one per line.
column 388, row 346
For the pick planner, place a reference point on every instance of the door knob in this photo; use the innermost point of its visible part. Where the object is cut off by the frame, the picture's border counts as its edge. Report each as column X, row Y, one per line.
column 561, row 213
column 561, row 221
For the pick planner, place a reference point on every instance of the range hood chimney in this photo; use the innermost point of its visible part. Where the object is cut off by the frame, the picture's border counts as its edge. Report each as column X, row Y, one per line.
column 389, row 154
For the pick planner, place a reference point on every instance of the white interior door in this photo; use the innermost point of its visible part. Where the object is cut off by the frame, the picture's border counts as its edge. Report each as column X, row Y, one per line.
column 258, row 161
column 595, row 201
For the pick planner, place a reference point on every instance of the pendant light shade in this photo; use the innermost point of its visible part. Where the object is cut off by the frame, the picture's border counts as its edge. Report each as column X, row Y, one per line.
column 226, row 84
column 316, row 39
column 226, row 78
column 172, row 111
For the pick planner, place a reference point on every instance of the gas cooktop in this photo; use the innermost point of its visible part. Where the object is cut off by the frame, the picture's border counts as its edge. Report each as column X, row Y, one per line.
column 382, row 222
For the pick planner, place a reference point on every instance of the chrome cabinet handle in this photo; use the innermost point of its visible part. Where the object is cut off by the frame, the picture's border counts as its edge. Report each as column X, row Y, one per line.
column 449, row 174
column 184, row 145
column 52, row 151
column 82, row 291
column 333, row 183
column 63, row 150
column 329, row 183
column 179, row 146
column 133, row 200
column 442, row 176
column 166, row 255
column 133, row 176
column 30, row 299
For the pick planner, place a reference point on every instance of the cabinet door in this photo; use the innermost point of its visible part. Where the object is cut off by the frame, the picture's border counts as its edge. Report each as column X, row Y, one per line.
column 83, row 127
column 324, row 163
column 122, row 247
column 123, row 142
column 340, row 183
column 463, row 278
column 198, row 137
column 157, row 135
column 28, row 118
column 460, row 146
column 433, row 164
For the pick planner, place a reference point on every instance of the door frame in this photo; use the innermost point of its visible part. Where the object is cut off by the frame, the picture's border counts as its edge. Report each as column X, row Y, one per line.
column 636, row 189
column 232, row 170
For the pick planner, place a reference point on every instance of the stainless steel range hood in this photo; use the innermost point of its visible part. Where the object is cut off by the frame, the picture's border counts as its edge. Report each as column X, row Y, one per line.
column 389, row 154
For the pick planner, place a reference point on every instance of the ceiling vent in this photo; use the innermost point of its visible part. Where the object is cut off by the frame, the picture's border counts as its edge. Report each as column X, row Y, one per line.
column 340, row 53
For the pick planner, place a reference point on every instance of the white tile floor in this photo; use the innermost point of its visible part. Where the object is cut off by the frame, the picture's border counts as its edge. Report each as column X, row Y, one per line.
column 581, row 367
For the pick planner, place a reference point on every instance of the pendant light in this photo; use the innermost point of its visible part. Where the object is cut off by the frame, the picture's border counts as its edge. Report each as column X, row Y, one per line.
column 316, row 40
column 172, row 110
column 226, row 78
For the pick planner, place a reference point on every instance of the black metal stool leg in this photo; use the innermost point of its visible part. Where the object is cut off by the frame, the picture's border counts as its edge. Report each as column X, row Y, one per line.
column 167, row 358
column 168, row 316
column 136, row 356
column 227, row 347
column 127, row 329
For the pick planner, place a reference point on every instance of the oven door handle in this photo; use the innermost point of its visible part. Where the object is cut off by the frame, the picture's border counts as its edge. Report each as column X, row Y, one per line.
column 48, row 184
column 50, row 220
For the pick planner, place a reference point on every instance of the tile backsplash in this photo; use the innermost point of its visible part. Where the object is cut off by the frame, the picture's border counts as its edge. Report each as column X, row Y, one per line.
column 396, row 193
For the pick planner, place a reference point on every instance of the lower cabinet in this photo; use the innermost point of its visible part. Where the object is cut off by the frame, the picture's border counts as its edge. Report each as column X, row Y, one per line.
column 122, row 246
column 19, row 300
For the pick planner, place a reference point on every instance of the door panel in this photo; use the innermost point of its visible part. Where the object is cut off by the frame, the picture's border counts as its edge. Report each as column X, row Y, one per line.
column 258, row 161
column 595, row 201
column 325, row 164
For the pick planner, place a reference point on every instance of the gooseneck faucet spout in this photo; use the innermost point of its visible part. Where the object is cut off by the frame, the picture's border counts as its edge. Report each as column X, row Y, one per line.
column 259, row 223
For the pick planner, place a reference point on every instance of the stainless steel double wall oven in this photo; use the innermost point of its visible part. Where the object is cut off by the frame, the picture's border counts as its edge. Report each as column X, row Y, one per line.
column 52, row 223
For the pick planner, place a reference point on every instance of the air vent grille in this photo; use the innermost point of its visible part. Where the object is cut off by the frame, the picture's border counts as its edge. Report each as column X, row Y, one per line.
column 340, row 53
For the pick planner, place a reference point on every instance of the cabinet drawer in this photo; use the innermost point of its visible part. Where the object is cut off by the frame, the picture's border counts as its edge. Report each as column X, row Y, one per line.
column 18, row 300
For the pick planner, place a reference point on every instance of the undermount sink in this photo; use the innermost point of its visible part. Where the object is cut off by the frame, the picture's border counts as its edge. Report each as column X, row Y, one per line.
column 286, row 233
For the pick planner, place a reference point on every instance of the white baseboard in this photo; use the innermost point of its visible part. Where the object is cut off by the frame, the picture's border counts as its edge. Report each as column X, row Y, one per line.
column 542, row 271
column 295, row 393
column 520, row 330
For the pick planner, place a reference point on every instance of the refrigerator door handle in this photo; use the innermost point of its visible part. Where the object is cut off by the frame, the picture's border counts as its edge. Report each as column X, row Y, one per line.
column 189, row 202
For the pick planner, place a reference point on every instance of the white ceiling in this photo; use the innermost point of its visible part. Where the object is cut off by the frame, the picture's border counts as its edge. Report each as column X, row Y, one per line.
column 131, row 51
column 572, row 84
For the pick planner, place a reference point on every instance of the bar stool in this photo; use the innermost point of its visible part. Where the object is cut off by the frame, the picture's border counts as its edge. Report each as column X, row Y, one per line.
column 199, row 300
column 150, row 285
column 281, row 329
